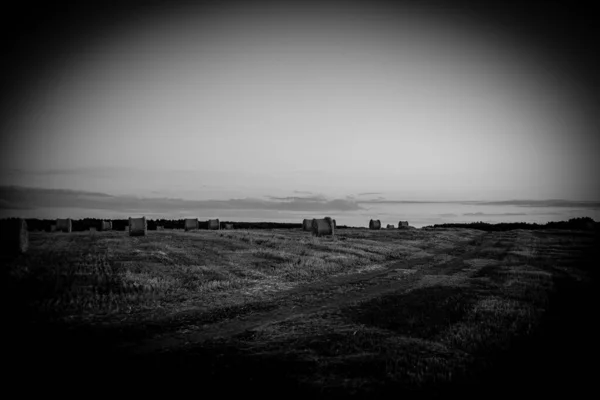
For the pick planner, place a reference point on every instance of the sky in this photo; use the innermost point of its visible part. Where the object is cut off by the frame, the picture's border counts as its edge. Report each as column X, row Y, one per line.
column 250, row 105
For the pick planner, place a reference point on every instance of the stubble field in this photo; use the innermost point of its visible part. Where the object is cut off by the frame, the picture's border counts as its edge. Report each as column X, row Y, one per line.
column 367, row 313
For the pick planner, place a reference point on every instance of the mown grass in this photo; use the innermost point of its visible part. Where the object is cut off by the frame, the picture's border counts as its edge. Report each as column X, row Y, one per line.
column 445, row 330
column 110, row 274
column 469, row 300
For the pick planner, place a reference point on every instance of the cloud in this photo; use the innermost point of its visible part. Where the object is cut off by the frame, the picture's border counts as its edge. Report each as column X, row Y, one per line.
column 519, row 203
column 7, row 205
column 368, row 193
column 381, row 200
column 32, row 198
column 492, row 215
column 295, row 198
column 302, row 192
column 545, row 203
column 89, row 172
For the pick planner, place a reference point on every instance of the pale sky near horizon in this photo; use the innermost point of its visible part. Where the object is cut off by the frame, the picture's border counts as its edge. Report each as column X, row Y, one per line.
column 257, row 101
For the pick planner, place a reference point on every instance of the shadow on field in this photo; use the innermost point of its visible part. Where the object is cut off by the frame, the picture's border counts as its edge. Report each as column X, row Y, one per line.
column 217, row 367
column 420, row 313
column 560, row 357
column 553, row 359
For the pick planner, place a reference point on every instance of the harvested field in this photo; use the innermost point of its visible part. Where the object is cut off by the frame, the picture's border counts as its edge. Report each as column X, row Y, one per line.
column 365, row 313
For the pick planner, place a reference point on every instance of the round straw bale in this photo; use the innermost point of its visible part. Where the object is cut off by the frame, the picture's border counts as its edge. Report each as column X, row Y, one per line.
column 53, row 228
column 138, row 226
column 14, row 236
column 106, row 226
column 390, row 226
column 307, row 224
column 322, row 227
column 374, row 224
column 191, row 224
column 64, row 225
column 214, row 225
column 331, row 223
column 402, row 224
column 228, row 226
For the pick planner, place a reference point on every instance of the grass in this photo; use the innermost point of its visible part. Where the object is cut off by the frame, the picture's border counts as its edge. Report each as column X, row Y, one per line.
column 107, row 273
column 364, row 313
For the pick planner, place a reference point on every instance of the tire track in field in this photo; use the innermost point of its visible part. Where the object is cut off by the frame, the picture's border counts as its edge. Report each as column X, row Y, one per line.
column 398, row 276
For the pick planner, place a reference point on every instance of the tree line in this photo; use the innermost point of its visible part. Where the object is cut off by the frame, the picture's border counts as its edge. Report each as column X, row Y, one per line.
column 35, row 224
column 582, row 223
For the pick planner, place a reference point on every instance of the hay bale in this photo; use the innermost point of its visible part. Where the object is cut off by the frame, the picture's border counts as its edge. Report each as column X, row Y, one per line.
column 160, row 228
column 126, row 228
column 214, row 225
column 106, row 225
column 307, row 225
column 92, row 229
column 323, row 227
column 14, row 236
column 64, row 225
column 191, row 224
column 52, row 228
column 390, row 226
column 402, row 224
column 138, row 226
column 374, row 224
column 228, row 226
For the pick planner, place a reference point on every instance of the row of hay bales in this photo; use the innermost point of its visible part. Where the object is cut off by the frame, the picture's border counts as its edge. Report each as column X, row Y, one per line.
column 104, row 226
column 375, row 224
column 140, row 226
column 326, row 226
column 320, row 227
column 136, row 226
column 191, row 224
column 194, row 224
column 66, row 225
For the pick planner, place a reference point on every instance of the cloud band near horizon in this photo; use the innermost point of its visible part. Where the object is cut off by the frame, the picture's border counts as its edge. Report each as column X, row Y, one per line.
column 26, row 198
column 30, row 198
